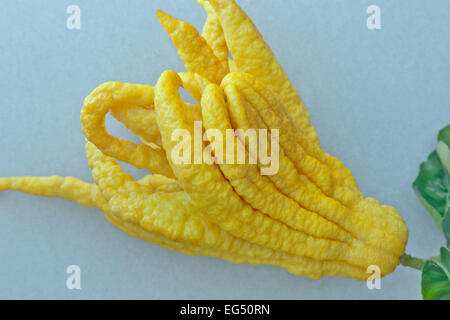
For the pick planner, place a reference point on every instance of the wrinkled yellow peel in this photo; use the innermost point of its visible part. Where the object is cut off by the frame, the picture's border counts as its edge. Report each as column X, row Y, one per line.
column 213, row 34
column 193, row 48
column 309, row 217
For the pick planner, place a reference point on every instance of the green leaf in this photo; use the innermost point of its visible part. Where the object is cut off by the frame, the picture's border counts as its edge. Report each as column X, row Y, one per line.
column 433, row 182
column 433, row 189
column 445, row 259
column 431, row 210
column 444, row 135
column 443, row 148
column 446, row 227
column 436, row 278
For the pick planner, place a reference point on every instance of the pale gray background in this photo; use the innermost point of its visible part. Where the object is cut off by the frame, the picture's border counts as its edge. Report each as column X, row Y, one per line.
column 377, row 99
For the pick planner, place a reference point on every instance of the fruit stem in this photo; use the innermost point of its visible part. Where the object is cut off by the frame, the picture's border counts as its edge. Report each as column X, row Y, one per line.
column 412, row 262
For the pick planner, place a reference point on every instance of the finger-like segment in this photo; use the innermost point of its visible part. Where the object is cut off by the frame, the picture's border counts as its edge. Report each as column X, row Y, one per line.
column 262, row 195
column 256, row 189
column 160, row 183
column 274, row 112
column 270, row 111
column 342, row 186
column 185, row 244
column 288, row 180
column 252, row 55
column 242, row 115
column 213, row 34
column 247, row 252
column 113, row 95
column 192, row 48
column 215, row 198
column 184, row 230
column 194, row 84
column 297, row 187
column 141, row 121
column 69, row 188
column 384, row 218
column 335, row 181
column 87, row 194
column 232, row 66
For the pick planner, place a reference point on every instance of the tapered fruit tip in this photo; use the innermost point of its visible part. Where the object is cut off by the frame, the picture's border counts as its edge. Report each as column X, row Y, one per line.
column 214, row 2
column 5, row 184
column 202, row 2
column 167, row 21
column 161, row 14
column 206, row 5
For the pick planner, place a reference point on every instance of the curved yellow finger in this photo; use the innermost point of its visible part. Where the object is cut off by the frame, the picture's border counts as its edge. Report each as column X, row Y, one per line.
column 255, row 188
column 141, row 121
column 252, row 55
column 215, row 197
column 113, row 95
column 68, row 188
column 341, row 187
column 194, row 84
column 213, row 34
column 144, row 215
column 193, row 48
